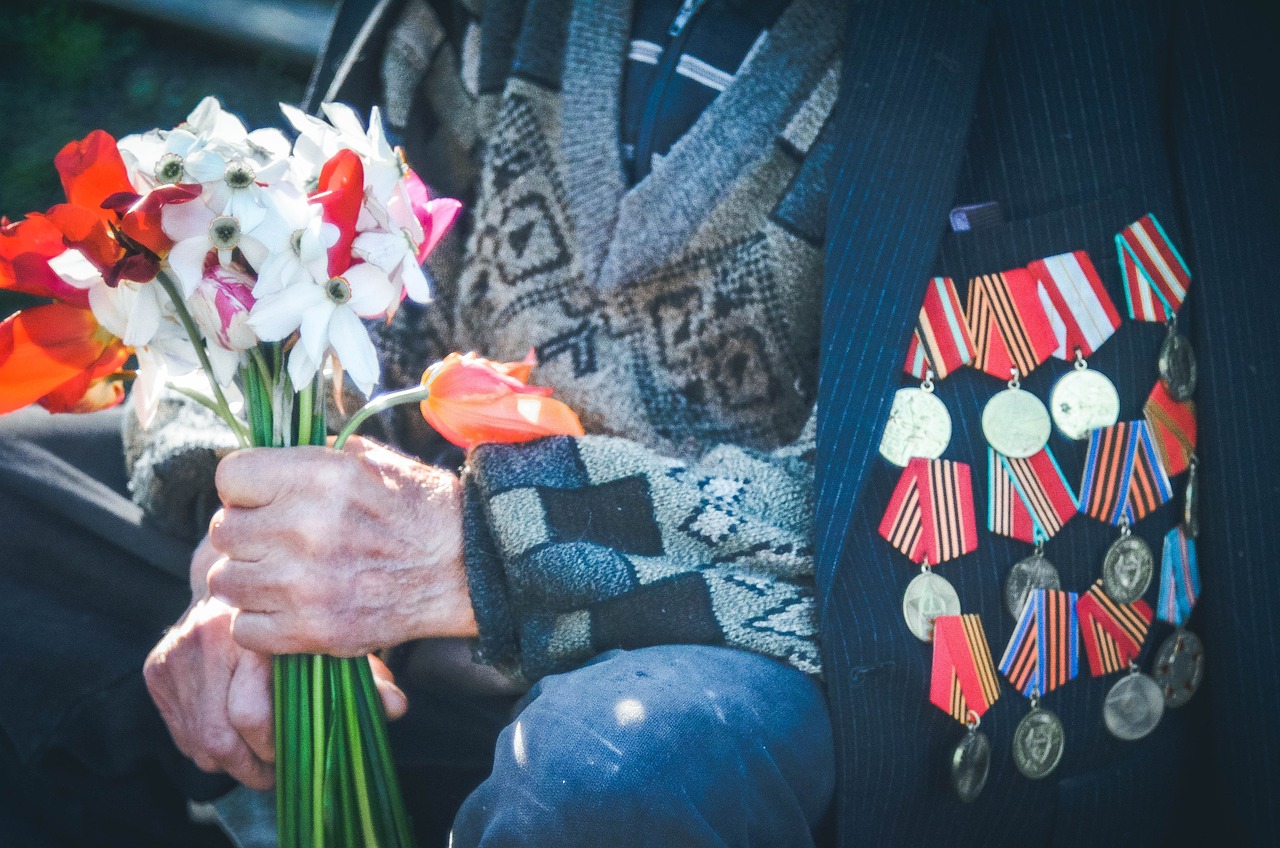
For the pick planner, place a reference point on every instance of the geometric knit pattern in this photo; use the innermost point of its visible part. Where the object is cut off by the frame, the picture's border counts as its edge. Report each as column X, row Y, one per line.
column 596, row 543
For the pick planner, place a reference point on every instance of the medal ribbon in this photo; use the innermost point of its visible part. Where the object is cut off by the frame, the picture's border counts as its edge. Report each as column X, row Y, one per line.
column 1113, row 633
column 1123, row 477
column 1076, row 302
column 1008, row 324
column 1179, row 578
column 1028, row 499
column 1173, row 423
column 1044, row 651
column 931, row 514
column 1155, row 277
column 964, row 675
column 941, row 340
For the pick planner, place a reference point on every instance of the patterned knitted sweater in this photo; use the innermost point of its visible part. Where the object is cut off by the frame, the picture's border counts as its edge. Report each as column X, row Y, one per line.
column 679, row 318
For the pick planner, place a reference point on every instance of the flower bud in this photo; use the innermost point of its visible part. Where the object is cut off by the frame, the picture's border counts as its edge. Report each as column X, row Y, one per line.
column 220, row 306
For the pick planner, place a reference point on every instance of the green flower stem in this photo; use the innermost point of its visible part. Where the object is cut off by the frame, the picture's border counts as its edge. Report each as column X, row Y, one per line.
column 414, row 394
column 317, row 743
column 382, row 747
column 346, row 698
column 197, row 341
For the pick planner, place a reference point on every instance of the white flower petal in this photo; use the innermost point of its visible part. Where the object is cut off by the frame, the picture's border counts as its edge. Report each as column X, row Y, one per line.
column 384, row 250
column 278, row 315
column 372, row 292
column 186, row 259
column 415, row 280
column 74, row 269
column 351, row 342
column 315, row 328
column 144, row 313
column 301, row 366
column 205, row 165
column 181, row 221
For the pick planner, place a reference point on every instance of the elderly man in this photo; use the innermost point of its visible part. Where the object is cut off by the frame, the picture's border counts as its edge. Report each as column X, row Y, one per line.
column 715, row 223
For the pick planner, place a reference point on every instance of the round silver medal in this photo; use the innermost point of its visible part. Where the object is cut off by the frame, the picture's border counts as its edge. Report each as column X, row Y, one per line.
column 927, row 597
column 1127, row 569
column 1027, row 575
column 1133, row 707
column 970, row 765
column 1084, row 400
column 1016, row 423
column 1178, row 367
column 919, row 425
column 1179, row 667
column 1038, row 742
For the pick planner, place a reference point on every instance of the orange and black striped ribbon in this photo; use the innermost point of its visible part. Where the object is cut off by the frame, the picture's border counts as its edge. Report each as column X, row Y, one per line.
column 1173, row 424
column 1113, row 633
column 964, row 674
column 1044, row 651
column 1028, row 499
column 931, row 514
column 1123, row 477
column 1008, row 324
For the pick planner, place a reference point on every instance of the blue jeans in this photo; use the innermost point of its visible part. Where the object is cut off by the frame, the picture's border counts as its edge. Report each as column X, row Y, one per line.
column 677, row 745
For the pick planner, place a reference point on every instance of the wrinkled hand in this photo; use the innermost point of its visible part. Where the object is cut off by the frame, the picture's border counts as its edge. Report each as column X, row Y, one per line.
column 338, row 552
column 215, row 696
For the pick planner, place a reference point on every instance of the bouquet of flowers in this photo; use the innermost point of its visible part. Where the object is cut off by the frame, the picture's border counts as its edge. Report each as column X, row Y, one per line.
column 255, row 261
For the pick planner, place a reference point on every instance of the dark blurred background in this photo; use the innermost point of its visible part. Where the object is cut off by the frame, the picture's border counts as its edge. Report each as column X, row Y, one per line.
column 68, row 67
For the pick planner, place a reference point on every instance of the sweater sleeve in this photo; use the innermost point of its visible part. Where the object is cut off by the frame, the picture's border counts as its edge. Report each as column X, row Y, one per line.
column 577, row 546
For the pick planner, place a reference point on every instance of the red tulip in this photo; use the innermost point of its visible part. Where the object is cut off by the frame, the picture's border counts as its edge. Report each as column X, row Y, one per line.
column 57, row 355
column 25, row 250
column 473, row 400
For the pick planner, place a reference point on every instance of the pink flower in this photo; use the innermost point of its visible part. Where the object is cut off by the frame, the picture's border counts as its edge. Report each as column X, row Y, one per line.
column 220, row 306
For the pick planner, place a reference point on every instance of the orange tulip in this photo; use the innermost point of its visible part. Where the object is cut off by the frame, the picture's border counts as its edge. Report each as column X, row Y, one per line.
column 57, row 355
column 473, row 400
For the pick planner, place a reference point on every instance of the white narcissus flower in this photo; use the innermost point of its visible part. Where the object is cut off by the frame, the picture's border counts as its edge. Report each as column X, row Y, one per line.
column 196, row 229
column 327, row 315
column 310, row 238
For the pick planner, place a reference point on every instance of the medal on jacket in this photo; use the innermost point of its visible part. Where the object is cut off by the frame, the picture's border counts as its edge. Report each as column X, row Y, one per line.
column 1156, row 280
column 1041, row 656
column 1179, row 662
column 1179, row 667
column 1179, row 578
column 930, row 519
column 919, row 424
column 1015, row 422
column 964, row 686
column 1011, row 332
column 1134, row 706
column 1029, row 500
column 1113, row 634
column 1083, row 317
column 1173, row 424
column 1123, row 478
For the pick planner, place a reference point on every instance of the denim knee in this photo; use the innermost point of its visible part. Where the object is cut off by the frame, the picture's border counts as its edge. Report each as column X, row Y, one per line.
column 687, row 745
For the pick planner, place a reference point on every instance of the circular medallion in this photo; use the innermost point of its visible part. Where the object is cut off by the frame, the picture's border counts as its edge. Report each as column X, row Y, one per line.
column 919, row 425
column 1179, row 667
column 1127, row 569
column 1084, row 400
column 1038, row 741
column 1133, row 707
column 1016, row 423
column 1034, row 572
column 1178, row 368
column 970, row 765
column 927, row 597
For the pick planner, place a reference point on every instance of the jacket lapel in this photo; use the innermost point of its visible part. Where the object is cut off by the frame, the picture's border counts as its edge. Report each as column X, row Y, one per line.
column 910, row 76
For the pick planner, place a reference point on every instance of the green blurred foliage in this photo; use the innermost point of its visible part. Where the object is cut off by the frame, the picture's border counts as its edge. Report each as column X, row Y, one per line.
column 68, row 67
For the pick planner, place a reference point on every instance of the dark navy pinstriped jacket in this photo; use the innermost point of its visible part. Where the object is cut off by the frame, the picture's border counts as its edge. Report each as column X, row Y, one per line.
column 1077, row 117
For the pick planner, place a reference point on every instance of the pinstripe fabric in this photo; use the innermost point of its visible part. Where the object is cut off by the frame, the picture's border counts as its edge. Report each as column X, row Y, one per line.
column 1088, row 115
